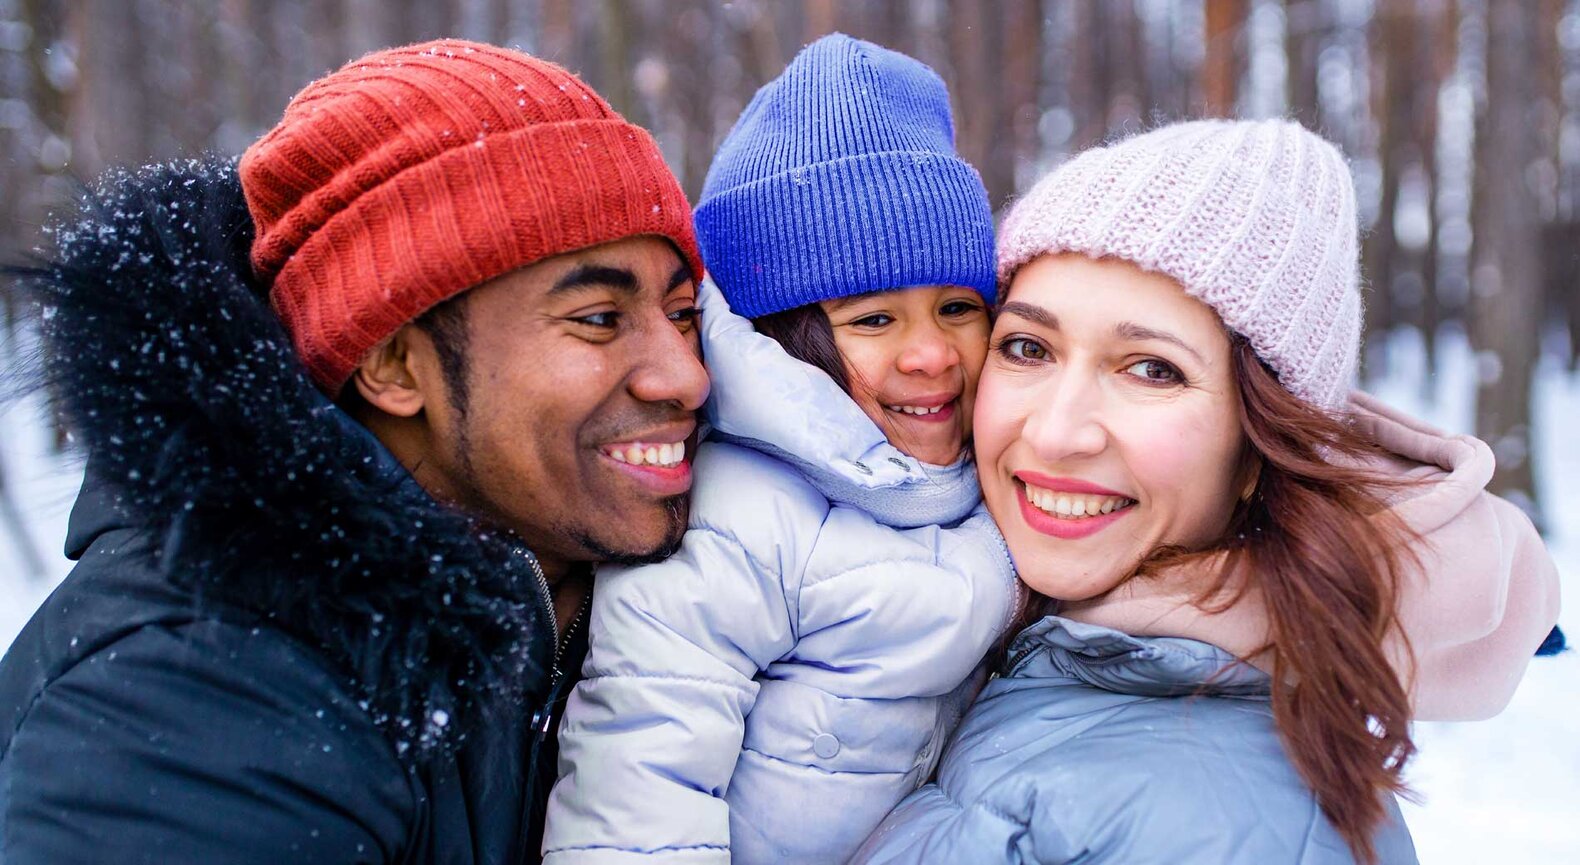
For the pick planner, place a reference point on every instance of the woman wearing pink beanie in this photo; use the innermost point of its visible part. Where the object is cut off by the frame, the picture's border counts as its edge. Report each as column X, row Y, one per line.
column 1167, row 397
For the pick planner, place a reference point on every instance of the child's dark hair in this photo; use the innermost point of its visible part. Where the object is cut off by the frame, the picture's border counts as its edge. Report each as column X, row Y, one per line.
column 807, row 335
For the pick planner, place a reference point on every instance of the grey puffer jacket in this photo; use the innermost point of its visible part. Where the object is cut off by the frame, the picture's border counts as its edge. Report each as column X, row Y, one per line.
column 1099, row 747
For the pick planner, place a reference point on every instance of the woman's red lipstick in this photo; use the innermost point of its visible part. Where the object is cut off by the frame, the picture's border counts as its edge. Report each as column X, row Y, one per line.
column 1066, row 529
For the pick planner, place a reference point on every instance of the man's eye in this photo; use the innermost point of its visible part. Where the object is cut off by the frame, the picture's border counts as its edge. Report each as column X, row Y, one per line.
column 959, row 307
column 599, row 319
column 877, row 319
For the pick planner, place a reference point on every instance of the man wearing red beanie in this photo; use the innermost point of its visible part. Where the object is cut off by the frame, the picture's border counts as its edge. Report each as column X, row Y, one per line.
column 362, row 412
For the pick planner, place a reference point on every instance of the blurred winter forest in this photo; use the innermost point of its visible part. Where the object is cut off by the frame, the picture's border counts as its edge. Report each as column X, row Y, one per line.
column 1461, row 117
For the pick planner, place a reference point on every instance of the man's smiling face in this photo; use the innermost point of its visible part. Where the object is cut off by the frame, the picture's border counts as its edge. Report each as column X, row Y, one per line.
column 583, row 375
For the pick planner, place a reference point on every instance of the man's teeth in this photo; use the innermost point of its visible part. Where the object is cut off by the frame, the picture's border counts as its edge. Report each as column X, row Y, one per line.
column 916, row 409
column 639, row 454
column 1072, row 506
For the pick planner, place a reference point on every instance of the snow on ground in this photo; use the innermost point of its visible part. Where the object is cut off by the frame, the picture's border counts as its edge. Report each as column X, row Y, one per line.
column 42, row 485
column 1505, row 790
column 1508, row 789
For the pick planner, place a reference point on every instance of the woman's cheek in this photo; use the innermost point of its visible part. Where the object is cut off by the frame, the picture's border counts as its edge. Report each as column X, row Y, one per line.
column 1184, row 462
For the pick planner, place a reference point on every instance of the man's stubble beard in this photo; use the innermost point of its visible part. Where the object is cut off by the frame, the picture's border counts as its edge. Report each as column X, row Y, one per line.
column 676, row 509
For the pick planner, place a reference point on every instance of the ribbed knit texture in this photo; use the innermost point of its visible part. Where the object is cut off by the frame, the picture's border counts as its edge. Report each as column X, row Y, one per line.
column 840, row 178
column 1254, row 218
column 413, row 174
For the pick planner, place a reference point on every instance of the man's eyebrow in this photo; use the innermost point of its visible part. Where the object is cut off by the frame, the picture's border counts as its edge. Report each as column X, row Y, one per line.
column 681, row 275
column 1032, row 313
column 1129, row 330
column 590, row 275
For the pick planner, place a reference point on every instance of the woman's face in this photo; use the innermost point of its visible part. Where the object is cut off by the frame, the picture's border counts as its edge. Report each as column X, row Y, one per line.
column 1107, row 423
column 913, row 357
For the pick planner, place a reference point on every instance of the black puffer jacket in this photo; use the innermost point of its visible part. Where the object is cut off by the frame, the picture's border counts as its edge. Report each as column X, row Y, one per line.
column 275, row 646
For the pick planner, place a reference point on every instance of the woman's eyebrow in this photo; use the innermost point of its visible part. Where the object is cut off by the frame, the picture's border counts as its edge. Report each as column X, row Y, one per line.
column 1032, row 313
column 1129, row 330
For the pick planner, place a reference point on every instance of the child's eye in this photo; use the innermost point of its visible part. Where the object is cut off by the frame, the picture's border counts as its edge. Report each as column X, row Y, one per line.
column 956, row 308
column 877, row 319
column 1155, row 372
column 1021, row 349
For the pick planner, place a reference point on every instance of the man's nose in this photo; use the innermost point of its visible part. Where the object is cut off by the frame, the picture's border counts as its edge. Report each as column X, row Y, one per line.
column 670, row 369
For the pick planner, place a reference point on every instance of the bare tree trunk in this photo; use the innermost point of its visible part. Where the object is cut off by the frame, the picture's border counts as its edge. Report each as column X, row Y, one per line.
column 692, row 91
column 1393, row 47
column 1305, row 29
column 1127, row 97
column 822, row 17
column 1443, row 25
column 557, row 32
column 1022, row 73
column 1220, row 72
column 617, row 85
column 1088, row 78
column 1506, row 277
column 976, row 49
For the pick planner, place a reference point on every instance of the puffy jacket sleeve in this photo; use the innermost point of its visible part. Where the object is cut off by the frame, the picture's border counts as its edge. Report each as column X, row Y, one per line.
column 200, row 744
column 930, row 827
column 651, row 734
column 853, row 718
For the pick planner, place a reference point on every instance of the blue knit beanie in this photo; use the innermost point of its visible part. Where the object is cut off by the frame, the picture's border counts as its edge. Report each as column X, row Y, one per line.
column 841, row 178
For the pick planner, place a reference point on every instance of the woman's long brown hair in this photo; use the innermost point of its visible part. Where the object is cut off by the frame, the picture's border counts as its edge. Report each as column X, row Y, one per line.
column 1318, row 544
column 1322, row 550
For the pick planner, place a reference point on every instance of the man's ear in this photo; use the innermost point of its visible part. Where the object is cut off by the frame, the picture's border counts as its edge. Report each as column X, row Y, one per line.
column 390, row 376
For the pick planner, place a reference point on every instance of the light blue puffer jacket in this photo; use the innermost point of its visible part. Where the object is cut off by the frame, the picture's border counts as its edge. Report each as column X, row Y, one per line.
column 1099, row 748
column 820, row 621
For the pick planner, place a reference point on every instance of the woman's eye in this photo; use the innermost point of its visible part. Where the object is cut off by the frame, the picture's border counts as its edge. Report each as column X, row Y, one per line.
column 877, row 319
column 958, row 307
column 1019, row 349
column 1155, row 372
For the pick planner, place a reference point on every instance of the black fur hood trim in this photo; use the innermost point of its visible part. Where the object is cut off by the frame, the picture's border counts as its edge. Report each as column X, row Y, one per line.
column 181, row 383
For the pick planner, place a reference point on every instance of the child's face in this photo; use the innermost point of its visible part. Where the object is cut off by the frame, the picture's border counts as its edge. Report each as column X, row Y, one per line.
column 913, row 356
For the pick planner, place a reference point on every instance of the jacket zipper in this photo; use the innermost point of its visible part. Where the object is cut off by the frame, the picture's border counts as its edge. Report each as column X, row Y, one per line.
column 543, row 716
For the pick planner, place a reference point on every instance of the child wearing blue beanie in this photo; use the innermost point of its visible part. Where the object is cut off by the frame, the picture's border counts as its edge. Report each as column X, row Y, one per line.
column 772, row 689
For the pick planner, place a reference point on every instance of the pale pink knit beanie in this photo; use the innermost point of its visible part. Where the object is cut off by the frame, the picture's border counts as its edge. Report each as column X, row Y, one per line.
column 1254, row 218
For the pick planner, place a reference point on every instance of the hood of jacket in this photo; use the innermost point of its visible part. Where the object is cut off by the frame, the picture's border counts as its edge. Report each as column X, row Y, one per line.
column 764, row 399
column 254, row 490
column 1101, row 657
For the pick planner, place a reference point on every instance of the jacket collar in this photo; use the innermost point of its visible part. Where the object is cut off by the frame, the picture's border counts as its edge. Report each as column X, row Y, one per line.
column 207, row 437
column 1144, row 666
column 765, row 399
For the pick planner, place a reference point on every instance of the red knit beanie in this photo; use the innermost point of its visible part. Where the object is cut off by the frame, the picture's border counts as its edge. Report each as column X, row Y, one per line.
column 416, row 173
